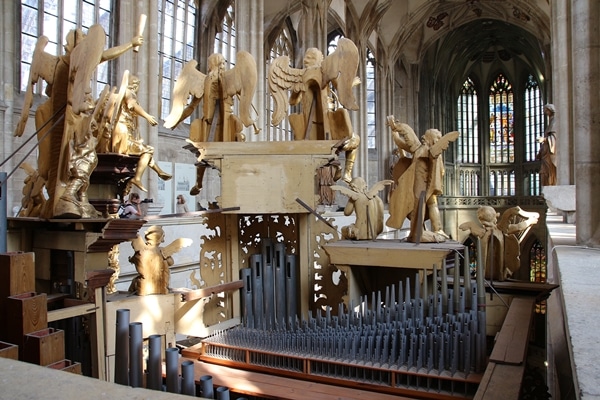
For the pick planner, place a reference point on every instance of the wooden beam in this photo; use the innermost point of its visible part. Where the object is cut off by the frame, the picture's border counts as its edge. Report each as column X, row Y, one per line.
column 188, row 295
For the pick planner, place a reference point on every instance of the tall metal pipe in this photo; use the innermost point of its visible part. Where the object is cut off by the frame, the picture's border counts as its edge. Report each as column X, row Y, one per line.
column 257, row 289
column 222, row 393
column 154, row 380
column 247, row 297
column 122, row 347
column 291, row 288
column 188, row 383
column 136, row 355
column 206, row 386
column 280, row 292
column 444, row 288
column 467, row 278
column 172, row 366
column 268, row 283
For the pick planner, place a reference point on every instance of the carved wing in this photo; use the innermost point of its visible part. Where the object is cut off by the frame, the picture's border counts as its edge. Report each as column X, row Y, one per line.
column 377, row 187
column 85, row 58
column 43, row 66
column 241, row 80
column 138, row 243
column 404, row 136
column 175, row 246
column 346, row 191
column 340, row 68
column 442, row 144
column 473, row 227
column 282, row 78
column 189, row 82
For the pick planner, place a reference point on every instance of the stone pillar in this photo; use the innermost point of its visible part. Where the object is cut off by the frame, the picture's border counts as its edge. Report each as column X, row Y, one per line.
column 8, row 52
column 586, row 103
column 249, row 20
column 312, row 28
column 562, row 82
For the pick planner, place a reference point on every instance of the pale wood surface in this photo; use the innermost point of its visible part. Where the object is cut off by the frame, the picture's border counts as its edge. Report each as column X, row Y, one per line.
column 390, row 253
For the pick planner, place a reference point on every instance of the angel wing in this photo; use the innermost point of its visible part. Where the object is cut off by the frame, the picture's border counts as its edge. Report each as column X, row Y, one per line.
column 474, row 227
column 85, row 58
column 443, row 143
column 377, row 187
column 346, row 191
column 175, row 246
column 282, row 78
column 241, row 80
column 404, row 136
column 340, row 68
column 43, row 65
column 189, row 82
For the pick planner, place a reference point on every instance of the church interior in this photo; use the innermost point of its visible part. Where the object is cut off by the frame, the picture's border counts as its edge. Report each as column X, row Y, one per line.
column 277, row 199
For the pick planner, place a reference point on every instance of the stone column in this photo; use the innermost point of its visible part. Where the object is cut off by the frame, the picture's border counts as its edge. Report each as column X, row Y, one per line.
column 8, row 51
column 586, row 122
column 249, row 20
column 562, row 82
column 312, row 28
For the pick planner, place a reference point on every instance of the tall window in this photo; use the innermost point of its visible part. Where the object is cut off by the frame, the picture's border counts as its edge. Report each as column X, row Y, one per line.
column 225, row 40
column 534, row 128
column 54, row 19
column 371, row 100
column 282, row 47
column 176, row 32
column 502, row 149
column 468, row 142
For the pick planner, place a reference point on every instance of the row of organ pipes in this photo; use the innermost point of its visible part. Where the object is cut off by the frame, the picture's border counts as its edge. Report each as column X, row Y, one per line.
column 432, row 332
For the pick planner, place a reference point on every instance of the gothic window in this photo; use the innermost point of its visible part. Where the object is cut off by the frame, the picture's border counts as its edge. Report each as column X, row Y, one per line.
column 371, row 99
column 176, row 32
column 225, row 39
column 534, row 128
column 502, row 149
column 283, row 46
column 468, row 154
column 54, row 19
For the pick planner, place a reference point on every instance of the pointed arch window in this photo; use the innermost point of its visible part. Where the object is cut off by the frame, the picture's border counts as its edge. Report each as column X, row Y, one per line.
column 371, row 100
column 534, row 128
column 502, row 149
column 176, row 33
column 468, row 153
column 225, row 39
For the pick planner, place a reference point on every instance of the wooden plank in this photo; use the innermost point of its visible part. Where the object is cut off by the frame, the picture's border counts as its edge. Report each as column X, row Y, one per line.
column 511, row 343
column 301, row 147
column 188, row 294
column 500, row 382
column 276, row 387
column 69, row 312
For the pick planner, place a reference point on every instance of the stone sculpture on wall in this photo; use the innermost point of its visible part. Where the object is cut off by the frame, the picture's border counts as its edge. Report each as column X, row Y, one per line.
column 65, row 122
column 547, row 153
column 152, row 261
column 500, row 238
column 419, row 181
column 366, row 205
column 218, row 88
column 323, row 89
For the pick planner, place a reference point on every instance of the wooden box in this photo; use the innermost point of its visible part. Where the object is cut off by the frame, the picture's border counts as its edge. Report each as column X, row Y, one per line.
column 17, row 274
column 44, row 347
column 25, row 313
column 67, row 366
column 9, row 350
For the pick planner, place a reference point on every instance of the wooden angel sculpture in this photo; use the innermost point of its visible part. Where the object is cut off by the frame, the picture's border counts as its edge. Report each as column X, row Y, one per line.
column 33, row 200
column 152, row 261
column 118, row 129
column 419, row 177
column 367, row 206
column 500, row 239
column 323, row 89
column 63, row 121
column 218, row 88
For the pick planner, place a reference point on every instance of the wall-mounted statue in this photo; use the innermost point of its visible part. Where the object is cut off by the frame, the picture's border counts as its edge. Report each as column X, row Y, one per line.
column 323, row 89
column 418, row 177
column 118, row 130
column 500, row 239
column 547, row 153
column 152, row 261
column 218, row 88
column 367, row 206
column 64, row 122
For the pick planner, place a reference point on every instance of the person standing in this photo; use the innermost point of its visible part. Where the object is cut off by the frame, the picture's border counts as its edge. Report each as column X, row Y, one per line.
column 131, row 209
column 181, row 206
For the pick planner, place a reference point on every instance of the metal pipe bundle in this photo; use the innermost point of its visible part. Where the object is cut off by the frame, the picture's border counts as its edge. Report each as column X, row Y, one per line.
column 122, row 347
column 136, row 356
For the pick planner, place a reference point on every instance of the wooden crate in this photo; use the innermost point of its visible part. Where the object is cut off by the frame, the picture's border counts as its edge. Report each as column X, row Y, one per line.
column 44, row 347
column 67, row 366
column 17, row 275
column 9, row 350
column 25, row 313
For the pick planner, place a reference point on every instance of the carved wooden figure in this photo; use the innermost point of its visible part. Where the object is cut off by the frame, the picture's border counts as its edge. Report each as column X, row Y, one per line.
column 500, row 239
column 418, row 177
column 366, row 205
column 547, row 152
column 323, row 89
column 218, row 88
column 67, row 156
column 152, row 261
